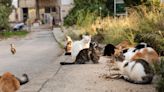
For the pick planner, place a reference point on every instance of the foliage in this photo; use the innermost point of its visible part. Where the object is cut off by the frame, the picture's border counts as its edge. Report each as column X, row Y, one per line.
column 7, row 3
column 5, row 10
column 87, row 11
column 134, row 2
column 153, row 39
column 159, row 70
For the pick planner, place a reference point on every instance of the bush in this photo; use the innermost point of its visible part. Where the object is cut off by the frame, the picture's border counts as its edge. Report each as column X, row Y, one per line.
column 85, row 11
column 159, row 69
column 5, row 10
column 154, row 40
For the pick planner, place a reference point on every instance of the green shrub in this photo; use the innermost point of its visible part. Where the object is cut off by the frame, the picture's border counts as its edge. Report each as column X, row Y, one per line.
column 5, row 10
column 87, row 11
column 159, row 70
column 153, row 39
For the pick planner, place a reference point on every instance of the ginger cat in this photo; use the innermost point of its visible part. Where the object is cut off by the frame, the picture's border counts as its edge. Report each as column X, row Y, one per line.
column 10, row 83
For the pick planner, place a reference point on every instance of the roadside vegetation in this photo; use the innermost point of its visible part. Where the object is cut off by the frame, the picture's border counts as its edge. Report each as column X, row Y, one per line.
column 5, row 29
column 159, row 69
column 8, row 34
column 144, row 23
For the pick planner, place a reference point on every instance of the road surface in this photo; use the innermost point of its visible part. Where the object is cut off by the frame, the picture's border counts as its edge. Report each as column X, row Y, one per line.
column 35, row 53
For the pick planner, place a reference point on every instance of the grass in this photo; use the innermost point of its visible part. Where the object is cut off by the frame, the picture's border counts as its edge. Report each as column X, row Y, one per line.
column 8, row 34
column 140, row 20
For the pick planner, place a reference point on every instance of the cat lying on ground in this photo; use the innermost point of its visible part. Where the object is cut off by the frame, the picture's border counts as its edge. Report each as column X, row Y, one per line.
column 142, row 51
column 10, row 83
column 137, row 71
column 85, row 55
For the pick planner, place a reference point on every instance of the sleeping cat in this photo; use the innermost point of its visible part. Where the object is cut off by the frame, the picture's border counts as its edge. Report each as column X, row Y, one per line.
column 79, row 45
column 137, row 71
column 85, row 55
column 148, row 54
column 10, row 83
column 140, row 46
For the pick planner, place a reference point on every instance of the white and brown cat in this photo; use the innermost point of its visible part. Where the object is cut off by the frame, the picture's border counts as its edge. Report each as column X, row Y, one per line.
column 137, row 71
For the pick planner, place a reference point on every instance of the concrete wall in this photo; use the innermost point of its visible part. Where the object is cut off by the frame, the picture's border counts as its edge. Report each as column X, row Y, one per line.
column 66, row 2
column 65, row 10
column 27, row 3
column 162, row 1
column 12, row 16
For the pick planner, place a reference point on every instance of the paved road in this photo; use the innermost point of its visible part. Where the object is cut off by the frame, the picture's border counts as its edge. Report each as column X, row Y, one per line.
column 35, row 53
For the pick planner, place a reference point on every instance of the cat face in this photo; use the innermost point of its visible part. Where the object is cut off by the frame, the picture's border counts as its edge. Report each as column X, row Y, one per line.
column 87, row 38
column 68, row 38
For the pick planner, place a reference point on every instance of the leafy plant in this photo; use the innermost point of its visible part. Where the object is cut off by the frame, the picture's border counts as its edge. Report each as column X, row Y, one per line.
column 159, row 70
column 5, row 10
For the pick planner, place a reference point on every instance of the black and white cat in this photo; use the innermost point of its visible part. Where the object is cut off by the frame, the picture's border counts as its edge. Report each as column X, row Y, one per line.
column 85, row 55
column 138, row 71
column 140, row 46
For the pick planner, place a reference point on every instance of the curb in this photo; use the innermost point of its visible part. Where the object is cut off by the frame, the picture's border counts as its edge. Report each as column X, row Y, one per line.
column 58, row 39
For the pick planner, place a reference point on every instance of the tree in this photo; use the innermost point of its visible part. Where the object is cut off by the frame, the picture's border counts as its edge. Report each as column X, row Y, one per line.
column 37, row 9
column 131, row 3
column 5, row 10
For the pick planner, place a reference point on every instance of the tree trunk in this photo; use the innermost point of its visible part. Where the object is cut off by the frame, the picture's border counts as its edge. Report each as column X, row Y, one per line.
column 37, row 9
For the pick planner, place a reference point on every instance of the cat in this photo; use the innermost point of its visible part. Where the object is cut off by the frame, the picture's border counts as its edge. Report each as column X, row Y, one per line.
column 109, row 50
column 68, row 46
column 140, row 46
column 10, row 83
column 13, row 50
column 123, row 46
column 79, row 45
column 148, row 54
column 141, row 51
column 137, row 71
column 85, row 55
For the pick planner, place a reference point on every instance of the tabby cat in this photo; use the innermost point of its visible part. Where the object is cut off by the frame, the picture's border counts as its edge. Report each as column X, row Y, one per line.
column 85, row 55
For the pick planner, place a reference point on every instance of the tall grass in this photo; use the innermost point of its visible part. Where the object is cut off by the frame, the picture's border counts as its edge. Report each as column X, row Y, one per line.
column 140, row 20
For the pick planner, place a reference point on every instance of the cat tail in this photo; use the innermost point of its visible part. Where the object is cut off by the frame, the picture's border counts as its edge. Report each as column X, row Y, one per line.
column 146, row 80
column 23, row 81
column 67, row 63
column 68, row 53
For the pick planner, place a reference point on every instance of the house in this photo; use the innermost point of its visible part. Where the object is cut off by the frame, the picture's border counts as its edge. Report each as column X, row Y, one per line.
column 44, row 10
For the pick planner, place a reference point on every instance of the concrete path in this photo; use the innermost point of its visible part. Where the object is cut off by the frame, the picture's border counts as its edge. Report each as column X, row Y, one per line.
column 80, row 78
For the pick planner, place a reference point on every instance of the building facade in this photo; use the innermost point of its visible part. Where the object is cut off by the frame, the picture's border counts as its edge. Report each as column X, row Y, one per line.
column 41, row 10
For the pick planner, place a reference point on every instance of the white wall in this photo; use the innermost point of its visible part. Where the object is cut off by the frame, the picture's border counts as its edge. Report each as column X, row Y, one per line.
column 15, row 3
column 162, row 1
column 66, row 2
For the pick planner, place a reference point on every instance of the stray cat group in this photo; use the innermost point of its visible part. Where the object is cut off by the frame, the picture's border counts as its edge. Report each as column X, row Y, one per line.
column 134, row 62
